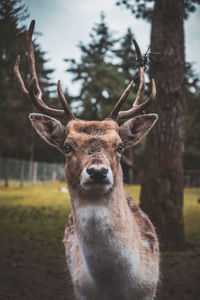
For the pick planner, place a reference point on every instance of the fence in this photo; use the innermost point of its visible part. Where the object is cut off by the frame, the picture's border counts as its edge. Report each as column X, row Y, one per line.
column 192, row 178
column 22, row 171
column 29, row 172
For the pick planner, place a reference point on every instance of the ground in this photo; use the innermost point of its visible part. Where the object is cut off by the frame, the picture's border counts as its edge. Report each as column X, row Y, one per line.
column 32, row 259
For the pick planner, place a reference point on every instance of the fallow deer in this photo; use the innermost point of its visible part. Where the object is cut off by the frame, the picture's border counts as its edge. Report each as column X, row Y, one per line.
column 111, row 245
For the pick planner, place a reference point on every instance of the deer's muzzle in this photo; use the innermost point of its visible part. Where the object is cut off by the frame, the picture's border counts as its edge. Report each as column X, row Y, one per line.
column 97, row 178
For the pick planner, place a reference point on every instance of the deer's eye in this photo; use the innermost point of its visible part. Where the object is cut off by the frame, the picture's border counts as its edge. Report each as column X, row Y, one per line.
column 68, row 148
column 120, row 148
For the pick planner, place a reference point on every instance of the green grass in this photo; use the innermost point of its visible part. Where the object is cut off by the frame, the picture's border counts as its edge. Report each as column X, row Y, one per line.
column 34, row 218
column 44, row 206
column 192, row 215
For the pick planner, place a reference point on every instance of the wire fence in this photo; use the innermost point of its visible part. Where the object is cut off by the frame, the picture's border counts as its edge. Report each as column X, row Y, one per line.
column 23, row 172
column 32, row 172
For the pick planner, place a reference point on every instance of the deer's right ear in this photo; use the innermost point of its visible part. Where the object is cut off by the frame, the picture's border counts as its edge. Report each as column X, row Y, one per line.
column 51, row 130
column 134, row 130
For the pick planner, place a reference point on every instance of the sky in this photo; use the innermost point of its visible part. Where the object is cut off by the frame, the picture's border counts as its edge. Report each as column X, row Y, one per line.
column 64, row 23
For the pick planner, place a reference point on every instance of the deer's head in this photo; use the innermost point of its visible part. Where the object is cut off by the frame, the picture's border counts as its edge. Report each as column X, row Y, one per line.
column 92, row 148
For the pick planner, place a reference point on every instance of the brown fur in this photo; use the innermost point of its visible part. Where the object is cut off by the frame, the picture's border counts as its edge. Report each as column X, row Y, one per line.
column 111, row 245
column 95, row 143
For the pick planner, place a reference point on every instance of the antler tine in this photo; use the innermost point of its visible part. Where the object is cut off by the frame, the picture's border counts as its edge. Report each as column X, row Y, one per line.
column 140, row 93
column 31, row 58
column 138, row 51
column 64, row 102
column 34, row 94
column 138, row 105
column 20, row 80
column 113, row 115
column 136, row 109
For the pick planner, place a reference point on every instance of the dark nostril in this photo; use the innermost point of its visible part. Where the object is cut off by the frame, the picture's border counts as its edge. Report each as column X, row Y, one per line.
column 104, row 171
column 97, row 174
column 91, row 171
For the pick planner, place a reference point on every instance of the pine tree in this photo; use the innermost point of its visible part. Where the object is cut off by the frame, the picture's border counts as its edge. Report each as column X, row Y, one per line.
column 126, row 54
column 17, row 138
column 102, row 81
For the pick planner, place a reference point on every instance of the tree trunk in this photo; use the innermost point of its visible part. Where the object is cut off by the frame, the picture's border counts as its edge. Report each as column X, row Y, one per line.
column 162, row 183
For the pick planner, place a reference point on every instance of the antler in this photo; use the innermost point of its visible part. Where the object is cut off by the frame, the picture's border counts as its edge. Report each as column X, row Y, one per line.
column 138, row 105
column 34, row 93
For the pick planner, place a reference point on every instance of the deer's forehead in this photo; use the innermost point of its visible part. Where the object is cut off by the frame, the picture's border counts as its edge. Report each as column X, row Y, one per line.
column 87, row 131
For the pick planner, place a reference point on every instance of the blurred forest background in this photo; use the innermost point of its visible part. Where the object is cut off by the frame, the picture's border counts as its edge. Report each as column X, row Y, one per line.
column 105, row 67
column 166, row 162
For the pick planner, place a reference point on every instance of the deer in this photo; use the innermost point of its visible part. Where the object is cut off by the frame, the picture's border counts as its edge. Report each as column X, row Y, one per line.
column 111, row 246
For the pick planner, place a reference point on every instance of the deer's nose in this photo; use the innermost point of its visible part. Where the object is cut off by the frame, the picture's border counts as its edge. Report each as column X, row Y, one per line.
column 97, row 174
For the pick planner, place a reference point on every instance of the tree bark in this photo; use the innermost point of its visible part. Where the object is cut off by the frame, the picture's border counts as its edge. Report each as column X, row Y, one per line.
column 162, row 183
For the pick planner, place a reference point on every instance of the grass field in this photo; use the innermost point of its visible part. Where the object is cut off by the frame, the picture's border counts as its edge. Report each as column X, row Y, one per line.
column 32, row 222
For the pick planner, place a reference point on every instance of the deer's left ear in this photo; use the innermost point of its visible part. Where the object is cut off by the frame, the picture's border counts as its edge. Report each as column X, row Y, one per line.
column 134, row 130
column 49, row 129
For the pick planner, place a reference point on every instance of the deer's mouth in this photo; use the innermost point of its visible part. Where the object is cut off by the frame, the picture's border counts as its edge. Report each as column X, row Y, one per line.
column 97, row 179
column 101, row 182
column 97, row 188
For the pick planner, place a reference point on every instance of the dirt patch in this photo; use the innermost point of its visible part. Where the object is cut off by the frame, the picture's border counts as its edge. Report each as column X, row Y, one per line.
column 26, row 276
column 180, row 276
column 19, row 280
column 32, row 257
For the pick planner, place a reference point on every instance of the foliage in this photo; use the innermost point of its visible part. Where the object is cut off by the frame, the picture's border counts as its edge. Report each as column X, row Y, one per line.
column 103, row 71
column 192, row 142
column 144, row 8
column 17, row 136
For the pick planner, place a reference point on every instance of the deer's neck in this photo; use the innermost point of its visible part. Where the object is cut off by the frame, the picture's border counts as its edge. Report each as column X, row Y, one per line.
column 107, row 234
column 111, row 206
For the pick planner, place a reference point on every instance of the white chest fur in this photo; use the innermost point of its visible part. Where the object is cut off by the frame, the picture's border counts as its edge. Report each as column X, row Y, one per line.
column 104, row 247
column 111, row 263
